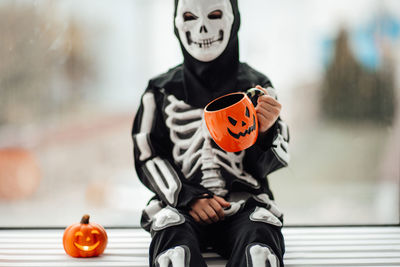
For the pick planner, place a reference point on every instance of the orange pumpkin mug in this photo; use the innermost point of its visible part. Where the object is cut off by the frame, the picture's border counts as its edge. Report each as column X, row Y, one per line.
column 232, row 120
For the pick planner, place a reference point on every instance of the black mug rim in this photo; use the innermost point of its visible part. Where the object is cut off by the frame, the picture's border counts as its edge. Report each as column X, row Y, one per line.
column 224, row 102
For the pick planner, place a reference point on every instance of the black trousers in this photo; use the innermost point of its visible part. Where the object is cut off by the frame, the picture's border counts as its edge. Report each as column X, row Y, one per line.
column 231, row 238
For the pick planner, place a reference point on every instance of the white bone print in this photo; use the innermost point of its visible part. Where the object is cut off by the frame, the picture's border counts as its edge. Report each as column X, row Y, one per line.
column 193, row 148
column 258, row 255
column 280, row 144
column 176, row 257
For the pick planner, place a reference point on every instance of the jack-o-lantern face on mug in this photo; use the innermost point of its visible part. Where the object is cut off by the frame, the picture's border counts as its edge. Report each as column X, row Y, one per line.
column 232, row 121
column 242, row 125
column 85, row 239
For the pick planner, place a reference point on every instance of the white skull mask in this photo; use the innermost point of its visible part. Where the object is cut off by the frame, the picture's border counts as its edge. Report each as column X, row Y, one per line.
column 204, row 27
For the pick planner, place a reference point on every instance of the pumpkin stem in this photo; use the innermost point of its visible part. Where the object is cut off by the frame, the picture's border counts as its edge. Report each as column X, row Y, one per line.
column 85, row 219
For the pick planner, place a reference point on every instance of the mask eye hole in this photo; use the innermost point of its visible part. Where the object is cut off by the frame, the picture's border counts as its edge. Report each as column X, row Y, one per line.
column 216, row 14
column 189, row 16
column 247, row 112
column 232, row 121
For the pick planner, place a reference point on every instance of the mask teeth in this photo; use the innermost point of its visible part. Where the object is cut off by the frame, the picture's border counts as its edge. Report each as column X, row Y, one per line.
column 206, row 43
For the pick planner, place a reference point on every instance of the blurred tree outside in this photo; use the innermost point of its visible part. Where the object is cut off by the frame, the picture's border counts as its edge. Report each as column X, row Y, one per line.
column 345, row 130
column 352, row 92
column 43, row 64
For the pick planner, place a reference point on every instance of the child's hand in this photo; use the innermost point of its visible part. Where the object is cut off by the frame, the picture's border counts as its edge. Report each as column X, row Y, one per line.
column 267, row 110
column 209, row 210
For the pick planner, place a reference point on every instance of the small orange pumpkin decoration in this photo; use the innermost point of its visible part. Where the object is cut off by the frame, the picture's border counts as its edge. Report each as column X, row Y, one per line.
column 85, row 239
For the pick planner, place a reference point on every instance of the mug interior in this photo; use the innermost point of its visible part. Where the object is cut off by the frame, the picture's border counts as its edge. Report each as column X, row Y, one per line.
column 224, row 101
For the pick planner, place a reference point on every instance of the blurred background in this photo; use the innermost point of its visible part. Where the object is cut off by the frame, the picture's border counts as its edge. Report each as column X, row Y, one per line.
column 72, row 73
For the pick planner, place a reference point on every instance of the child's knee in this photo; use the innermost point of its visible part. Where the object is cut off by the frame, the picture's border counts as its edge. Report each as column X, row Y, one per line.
column 164, row 218
column 178, row 256
column 260, row 255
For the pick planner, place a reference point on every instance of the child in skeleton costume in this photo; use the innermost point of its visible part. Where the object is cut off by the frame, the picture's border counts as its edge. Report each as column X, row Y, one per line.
column 204, row 196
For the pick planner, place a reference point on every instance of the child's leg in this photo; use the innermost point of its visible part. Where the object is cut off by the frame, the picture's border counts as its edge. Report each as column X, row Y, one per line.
column 177, row 246
column 250, row 238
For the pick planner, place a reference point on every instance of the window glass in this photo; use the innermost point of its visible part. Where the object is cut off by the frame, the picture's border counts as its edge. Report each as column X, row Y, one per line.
column 72, row 73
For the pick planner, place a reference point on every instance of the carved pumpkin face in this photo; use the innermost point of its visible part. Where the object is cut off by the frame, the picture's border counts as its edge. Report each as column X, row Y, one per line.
column 85, row 239
column 232, row 122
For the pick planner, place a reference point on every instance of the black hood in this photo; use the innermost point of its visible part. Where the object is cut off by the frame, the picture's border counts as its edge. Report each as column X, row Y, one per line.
column 204, row 81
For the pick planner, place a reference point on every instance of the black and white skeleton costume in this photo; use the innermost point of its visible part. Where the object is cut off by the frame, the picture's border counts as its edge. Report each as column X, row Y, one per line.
column 176, row 158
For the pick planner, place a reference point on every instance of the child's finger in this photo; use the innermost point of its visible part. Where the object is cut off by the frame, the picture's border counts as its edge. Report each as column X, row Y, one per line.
column 262, row 89
column 269, row 100
column 218, row 208
column 267, row 108
column 195, row 216
column 222, row 202
column 204, row 217
column 211, row 214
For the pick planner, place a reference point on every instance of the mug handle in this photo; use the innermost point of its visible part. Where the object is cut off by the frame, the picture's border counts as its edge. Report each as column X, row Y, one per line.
column 253, row 94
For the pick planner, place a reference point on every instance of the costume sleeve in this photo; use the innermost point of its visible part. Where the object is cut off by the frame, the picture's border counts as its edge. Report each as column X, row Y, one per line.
column 270, row 152
column 152, row 154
